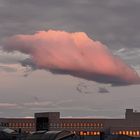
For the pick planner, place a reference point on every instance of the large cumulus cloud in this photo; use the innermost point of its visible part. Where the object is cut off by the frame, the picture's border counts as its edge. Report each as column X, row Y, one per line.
column 73, row 53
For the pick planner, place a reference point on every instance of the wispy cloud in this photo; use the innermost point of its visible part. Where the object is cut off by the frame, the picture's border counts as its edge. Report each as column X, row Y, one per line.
column 8, row 105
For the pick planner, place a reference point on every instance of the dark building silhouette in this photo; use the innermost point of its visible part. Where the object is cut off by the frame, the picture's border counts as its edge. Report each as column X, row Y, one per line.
column 51, row 121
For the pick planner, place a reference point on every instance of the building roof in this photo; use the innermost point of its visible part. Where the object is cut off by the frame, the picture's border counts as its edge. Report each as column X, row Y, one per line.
column 49, row 135
column 6, row 130
column 6, row 133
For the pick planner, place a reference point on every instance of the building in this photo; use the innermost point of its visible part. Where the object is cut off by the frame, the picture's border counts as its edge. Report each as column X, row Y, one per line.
column 19, row 124
column 130, row 125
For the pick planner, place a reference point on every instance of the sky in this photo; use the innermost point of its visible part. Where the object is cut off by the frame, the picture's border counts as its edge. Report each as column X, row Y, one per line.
column 26, row 90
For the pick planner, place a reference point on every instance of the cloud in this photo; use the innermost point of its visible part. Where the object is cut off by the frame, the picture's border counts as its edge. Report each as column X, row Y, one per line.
column 103, row 90
column 74, row 54
column 115, row 23
column 39, row 104
column 8, row 105
column 8, row 68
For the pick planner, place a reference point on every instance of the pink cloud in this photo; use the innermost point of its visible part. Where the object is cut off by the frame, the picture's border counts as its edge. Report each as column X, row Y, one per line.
column 75, row 54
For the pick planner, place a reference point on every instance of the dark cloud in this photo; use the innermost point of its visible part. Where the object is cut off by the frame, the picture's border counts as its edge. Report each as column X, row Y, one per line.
column 28, row 62
column 115, row 23
column 103, row 90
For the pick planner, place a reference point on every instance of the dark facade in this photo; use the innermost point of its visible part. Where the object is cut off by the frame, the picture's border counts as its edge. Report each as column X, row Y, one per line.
column 130, row 125
column 19, row 124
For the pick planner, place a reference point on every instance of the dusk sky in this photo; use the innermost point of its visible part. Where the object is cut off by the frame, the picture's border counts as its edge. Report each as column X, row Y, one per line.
column 78, row 57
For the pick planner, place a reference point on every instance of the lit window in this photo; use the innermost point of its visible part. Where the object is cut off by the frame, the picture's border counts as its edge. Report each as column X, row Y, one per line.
column 120, row 132
column 123, row 133
column 87, row 133
column 101, row 125
column 95, row 133
column 134, row 133
column 137, row 133
column 127, row 132
column 98, row 133
column 113, row 133
column 91, row 133
column 84, row 124
column 81, row 133
column 98, row 124
column 130, row 132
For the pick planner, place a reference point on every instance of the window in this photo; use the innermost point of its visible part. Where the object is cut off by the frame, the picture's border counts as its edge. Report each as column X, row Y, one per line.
column 33, row 124
column 30, row 124
column 88, row 133
column 85, row 133
column 130, row 132
column 27, row 125
column 137, row 133
column 95, row 133
column 127, row 132
column 10, row 124
column 19, row 124
column 23, row 124
column 91, row 133
column 16, row 124
column 123, row 132
column 84, row 124
column 81, row 133
column 67, row 125
column 134, row 133
column 120, row 132
column 101, row 125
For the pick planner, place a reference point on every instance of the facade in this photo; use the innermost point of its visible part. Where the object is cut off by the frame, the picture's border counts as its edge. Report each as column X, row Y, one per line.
column 130, row 125
column 19, row 124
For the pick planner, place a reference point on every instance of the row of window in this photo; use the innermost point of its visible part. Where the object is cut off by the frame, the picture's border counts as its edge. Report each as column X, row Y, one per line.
column 129, row 133
column 91, row 133
column 88, row 133
column 76, row 125
column 24, row 124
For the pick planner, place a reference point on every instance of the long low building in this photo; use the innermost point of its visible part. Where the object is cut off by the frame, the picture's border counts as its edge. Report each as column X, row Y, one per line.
column 130, row 125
